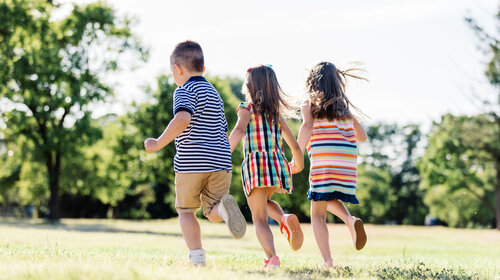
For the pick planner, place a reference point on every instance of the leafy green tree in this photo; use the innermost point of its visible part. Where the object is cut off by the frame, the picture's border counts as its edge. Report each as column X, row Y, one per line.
column 392, row 150
column 374, row 193
column 409, row 207
column 51, row 73
column 458, row 172
column 490, row 43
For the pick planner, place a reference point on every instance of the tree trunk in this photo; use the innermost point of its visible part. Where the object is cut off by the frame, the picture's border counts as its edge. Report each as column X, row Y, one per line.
column 496, row 156
column 497, row 197
column 54, row 171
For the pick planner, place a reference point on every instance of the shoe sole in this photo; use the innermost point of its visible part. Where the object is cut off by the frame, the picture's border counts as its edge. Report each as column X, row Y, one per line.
column 296, row 235
column 235, row 220
column 271, row 266
column 360, row 234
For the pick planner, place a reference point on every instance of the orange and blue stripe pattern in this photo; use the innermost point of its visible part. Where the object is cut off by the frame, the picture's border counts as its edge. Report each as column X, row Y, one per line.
column 333, row 155
column 265, row 164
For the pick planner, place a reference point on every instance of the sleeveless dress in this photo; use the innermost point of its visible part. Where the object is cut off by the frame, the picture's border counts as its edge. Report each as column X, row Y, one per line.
column 333, row 155
column 265, row 164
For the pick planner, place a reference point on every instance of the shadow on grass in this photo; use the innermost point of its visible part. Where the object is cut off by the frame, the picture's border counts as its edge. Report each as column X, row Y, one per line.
column 414, row 271
column 93, row 228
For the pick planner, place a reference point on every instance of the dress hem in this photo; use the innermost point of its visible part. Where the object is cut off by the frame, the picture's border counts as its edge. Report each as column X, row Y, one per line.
column 278, row 190
column 332, row 195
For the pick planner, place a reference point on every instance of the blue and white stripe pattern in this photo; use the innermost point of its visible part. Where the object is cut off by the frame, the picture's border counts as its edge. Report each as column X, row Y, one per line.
column 203, row 146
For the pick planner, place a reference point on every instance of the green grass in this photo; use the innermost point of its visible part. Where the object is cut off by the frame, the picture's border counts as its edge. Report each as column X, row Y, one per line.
column 117, row 249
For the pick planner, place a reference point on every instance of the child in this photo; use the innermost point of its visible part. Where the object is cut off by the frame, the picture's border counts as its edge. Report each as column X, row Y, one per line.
column 265, row 169
column 331, row 131
column 203, row 161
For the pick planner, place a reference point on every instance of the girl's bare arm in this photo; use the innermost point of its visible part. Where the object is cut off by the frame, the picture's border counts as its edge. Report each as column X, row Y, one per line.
column 298, row 155
column 359, row 131
column 239, row 129
column 307, row 126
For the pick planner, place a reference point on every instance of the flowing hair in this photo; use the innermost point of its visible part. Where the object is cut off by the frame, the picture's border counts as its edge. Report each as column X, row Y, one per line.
column 263, row 90
column 325, row 85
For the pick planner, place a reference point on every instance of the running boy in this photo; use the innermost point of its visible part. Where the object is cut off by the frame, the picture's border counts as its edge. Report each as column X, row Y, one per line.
column 202, row 163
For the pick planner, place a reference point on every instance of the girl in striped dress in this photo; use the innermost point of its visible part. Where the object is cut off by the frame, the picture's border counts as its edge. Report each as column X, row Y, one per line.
column 265, row 170
column 331, row 132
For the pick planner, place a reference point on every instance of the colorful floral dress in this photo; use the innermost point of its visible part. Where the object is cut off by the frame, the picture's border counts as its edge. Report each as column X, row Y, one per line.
column 265, row 164
column 333, row 155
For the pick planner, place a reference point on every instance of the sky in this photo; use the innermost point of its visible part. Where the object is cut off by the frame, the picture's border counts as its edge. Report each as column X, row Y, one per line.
column 421, row 57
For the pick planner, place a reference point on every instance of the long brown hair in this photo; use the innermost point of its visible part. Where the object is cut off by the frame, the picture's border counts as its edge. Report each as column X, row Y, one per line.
column 326, row 88
column 263, row 90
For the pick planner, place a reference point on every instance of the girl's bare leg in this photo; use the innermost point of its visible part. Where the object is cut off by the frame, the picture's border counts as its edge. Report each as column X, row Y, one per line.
column 338, row 209
column 354, row 224
column 273, row 208
column 257, row 201
column 318, row 221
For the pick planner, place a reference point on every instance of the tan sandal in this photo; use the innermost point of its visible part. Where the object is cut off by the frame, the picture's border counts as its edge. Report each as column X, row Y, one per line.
column 358, row 234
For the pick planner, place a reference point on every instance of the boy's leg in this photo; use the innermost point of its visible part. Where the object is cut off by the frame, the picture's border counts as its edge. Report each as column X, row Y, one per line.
column 187, row 201
column 190, row 230
column 217, row 186
column 214, row 216
column 318, row 222
column 219, row 205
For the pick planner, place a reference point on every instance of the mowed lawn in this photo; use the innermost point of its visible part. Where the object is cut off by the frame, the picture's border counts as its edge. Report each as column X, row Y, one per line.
column 118, row 249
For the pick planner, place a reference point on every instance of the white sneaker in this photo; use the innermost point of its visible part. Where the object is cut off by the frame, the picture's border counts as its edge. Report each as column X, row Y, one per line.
column 231, row 214
column 197, row 257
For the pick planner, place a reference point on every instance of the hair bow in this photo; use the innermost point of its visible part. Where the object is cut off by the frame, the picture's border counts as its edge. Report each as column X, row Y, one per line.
column 268, row 65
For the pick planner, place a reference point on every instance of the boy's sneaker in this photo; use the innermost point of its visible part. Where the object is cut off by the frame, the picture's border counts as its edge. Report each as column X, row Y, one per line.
column 197, row 257
column 290, row 227
column 358, row 234
column 273, row 262
column 231, row 214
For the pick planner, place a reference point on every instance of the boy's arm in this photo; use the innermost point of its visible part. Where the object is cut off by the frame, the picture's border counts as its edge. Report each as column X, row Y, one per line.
column 359, row 131
column 239, row 129
column 176, row 126
column 298, row 155
column 307, row 126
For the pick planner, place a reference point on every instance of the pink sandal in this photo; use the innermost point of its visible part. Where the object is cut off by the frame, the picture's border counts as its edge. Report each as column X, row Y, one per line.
column 273, row 262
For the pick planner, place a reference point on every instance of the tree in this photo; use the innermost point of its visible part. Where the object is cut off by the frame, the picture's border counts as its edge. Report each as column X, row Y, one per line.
column 51, row 74
column 374, row 192
column 393, row 150
column 490, row 43
column 458, row 175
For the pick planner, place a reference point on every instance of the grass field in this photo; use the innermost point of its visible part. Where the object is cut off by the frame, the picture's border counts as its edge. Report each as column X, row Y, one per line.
column 117, row 249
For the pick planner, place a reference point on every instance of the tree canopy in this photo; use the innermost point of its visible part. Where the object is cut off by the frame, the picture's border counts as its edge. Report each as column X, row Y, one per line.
column 51, row 73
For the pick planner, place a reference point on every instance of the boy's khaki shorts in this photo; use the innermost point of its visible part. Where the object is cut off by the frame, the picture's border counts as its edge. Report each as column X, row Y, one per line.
column 194, row 189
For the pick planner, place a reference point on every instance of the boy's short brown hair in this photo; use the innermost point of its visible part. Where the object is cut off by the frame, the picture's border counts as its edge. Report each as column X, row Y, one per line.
column 189, row 55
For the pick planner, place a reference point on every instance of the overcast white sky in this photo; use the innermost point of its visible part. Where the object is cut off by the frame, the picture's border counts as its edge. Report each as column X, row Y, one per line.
column 422, row 58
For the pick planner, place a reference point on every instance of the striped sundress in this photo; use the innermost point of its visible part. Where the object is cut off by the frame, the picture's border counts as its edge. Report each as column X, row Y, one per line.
column 265, row 164
column 333, row 155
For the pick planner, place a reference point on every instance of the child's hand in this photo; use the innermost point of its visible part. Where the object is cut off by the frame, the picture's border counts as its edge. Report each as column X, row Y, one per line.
column 295, row 169
column 151, row 145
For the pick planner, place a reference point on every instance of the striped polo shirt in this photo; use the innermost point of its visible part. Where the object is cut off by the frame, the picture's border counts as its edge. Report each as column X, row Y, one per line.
column 203, row 146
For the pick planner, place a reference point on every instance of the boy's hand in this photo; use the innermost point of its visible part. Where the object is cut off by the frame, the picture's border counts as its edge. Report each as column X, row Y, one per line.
column 151, row 145
column 295, row 169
